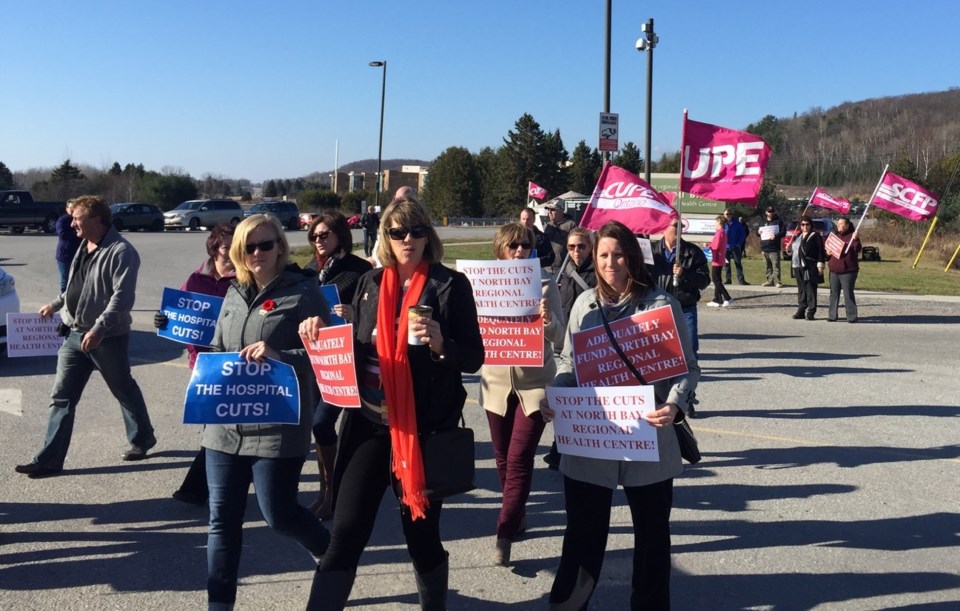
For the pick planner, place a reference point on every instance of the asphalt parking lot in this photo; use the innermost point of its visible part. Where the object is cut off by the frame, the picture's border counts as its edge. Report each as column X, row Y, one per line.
column 829, row 478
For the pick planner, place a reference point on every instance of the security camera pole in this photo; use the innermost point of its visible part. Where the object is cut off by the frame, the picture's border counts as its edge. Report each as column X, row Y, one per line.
column 647, row 44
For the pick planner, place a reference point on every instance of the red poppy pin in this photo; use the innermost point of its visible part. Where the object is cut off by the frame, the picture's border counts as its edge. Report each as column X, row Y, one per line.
column 268, row 306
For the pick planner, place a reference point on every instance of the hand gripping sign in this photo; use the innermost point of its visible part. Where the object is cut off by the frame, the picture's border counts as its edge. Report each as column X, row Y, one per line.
column 226, row 389
column 29, row 334
column 332, row 295
column 192, row 316
column 604, row 423
column 331, row 356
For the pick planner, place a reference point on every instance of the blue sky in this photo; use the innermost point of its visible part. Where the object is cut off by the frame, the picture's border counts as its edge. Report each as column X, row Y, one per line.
column 259, row 90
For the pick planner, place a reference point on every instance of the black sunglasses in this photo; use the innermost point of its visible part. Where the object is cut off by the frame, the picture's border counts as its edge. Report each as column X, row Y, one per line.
column 265, row 246
column 320, row 235
column 400, row 233
column 516, row 245
column 576, row 246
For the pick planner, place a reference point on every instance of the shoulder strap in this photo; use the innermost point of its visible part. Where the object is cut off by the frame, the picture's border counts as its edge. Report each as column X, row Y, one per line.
column 616, row 346
column 571, row 271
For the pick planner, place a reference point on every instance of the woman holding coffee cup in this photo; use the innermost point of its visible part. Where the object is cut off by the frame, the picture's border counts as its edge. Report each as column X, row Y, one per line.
column 511, row 397
column 409, row 363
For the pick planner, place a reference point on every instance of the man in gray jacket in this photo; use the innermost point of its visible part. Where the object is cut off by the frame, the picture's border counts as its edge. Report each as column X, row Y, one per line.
column 95, row 309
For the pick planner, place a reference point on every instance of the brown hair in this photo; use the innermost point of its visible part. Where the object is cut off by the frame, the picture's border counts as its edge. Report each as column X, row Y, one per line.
column 511, row 232
column 217, row 238
column 640, row 280
column 337, row 223
column 407, row 212
column 94, row 207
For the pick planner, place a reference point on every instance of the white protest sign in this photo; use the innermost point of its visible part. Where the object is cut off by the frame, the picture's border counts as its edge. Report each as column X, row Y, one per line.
column 504, row 288
column 604, row 423
column 31, row 335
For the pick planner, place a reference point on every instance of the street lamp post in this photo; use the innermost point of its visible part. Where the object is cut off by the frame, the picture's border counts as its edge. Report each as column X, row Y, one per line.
column 647, row 43
column 383, row 99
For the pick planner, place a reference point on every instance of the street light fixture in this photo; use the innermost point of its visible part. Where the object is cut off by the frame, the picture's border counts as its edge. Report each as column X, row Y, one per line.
column 647, row 43
column 383, row 99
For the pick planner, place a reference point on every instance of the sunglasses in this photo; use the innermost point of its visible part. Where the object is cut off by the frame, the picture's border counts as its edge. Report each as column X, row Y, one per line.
column 400, row 233
column 804, row 224
column 576, row 246
column 319, row 236
column 265, row 246
column 516, row 245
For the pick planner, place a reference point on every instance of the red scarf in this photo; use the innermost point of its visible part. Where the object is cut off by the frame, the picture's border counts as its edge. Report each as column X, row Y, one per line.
column 398, row 385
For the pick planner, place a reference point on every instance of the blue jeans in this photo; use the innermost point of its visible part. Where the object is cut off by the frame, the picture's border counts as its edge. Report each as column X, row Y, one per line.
column 74, row 367
column 64, row 268
column 276, row 481
column 690, row 315
column 734, row 254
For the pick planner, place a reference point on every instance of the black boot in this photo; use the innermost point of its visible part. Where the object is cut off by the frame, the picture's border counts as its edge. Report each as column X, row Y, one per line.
column 432, row 586
column 330, row 590
column 799, row 314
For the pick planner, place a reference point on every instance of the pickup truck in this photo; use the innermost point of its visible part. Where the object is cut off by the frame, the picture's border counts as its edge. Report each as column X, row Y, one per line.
column 18, row 211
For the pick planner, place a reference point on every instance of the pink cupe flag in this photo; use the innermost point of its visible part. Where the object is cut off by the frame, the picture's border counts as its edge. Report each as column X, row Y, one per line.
column 908, row 199
column 622, row 196
column 722, row 164
column 536, row 191
column 822, row 199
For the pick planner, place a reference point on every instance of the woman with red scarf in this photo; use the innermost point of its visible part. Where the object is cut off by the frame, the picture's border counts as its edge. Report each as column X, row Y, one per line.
column 410, row 379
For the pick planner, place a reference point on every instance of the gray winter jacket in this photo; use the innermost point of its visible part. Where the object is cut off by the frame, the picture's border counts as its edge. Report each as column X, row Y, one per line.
column 243, row 321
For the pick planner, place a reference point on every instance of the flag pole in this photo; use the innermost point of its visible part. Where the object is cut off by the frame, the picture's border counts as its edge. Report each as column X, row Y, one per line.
column 679, row 198
column 870, row 201
column 946, row 190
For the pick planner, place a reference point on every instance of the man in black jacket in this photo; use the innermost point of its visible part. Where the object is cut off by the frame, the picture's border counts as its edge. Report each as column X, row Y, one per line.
column 682, row 270
column 528, row 219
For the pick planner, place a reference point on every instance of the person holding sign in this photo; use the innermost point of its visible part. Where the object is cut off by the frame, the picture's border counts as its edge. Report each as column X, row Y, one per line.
column 843, row 272
column 511, row 397
column 771, row 232
column 337, row 265
column 807, row 268
column 624, row 288
column 213, row 277
column 259, row 320
column 410, row 365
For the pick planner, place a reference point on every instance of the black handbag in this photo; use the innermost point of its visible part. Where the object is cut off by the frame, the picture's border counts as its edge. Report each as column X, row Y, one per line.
column 448, row 461
column 689, row 449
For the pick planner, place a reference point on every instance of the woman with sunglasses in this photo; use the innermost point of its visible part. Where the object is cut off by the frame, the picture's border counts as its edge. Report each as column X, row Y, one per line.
column 410, row 370
column 624, row 288
column 511, row 397
column 807, row 268
column 337, row 265
column 259, row 319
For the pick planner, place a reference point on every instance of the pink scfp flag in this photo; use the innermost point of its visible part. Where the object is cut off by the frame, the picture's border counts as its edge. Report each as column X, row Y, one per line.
column 900, row 196
column 722, row 164
column 536, row 191
column 621, row 196
column 822, row 199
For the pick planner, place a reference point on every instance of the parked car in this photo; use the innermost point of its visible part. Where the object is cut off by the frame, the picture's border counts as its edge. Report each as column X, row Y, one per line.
column 822, row 226
column 287, row 212
column 137, row 216
column 9, row 303
column 18, row 211
column 197, row 213
column 306, row 218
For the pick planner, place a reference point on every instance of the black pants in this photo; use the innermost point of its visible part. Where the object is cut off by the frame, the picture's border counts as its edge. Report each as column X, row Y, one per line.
column 806, row 291
column 585, row 540
column 720, row 293
column 365, row 450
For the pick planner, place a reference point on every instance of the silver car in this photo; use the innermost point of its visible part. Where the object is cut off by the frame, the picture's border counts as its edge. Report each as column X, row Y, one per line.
column 197, row 213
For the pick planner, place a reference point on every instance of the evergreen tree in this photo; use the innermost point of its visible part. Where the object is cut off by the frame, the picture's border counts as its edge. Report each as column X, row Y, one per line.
column 528, row 154
column 6, row 177
column 453, row 188
column 486, row 164
column 629, row 158
column 584, row 169
column 271, row 189
column 67, row 180
column 115, row 169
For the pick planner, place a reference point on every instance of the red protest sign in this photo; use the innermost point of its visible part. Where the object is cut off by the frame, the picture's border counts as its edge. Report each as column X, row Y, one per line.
column 512, row 341
column 331, row 356
column 649, row 339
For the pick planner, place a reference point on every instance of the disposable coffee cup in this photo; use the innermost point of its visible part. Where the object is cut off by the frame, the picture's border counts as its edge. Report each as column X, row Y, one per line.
column 417, row 311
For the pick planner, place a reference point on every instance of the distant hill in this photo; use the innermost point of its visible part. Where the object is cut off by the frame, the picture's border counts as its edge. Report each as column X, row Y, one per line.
column 847, row 146
column 370, row 165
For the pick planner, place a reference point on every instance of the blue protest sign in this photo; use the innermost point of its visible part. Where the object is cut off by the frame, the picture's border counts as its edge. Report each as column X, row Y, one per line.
column 226, row 389
column 332, row 295
column 192, row 316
